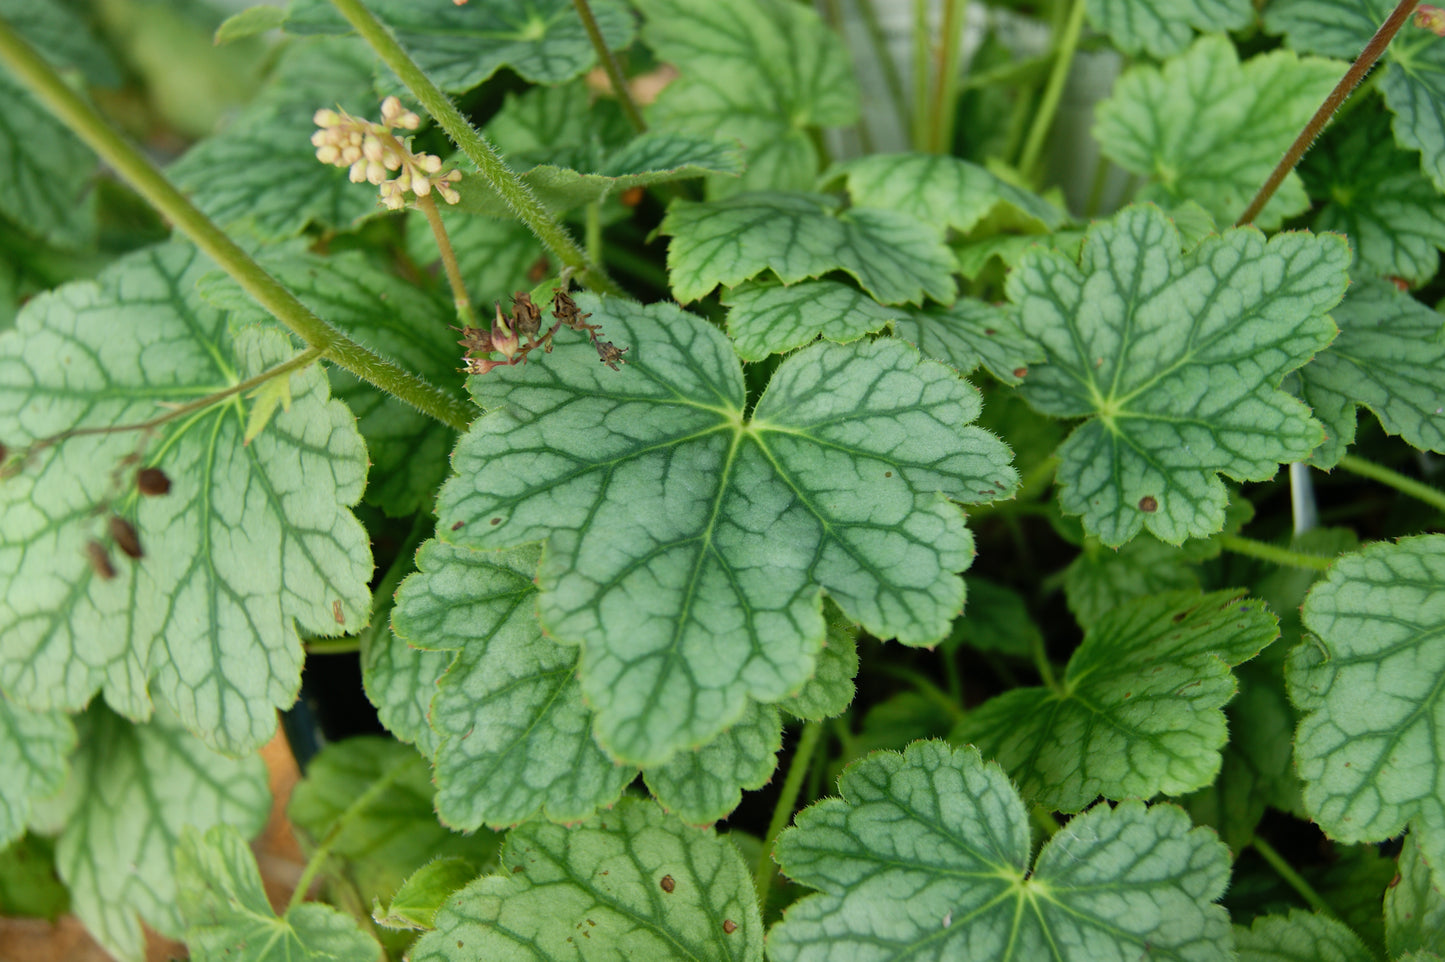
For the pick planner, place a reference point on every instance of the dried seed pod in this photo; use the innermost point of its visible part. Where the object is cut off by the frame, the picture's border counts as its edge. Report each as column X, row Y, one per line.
column 475, row 340
column 99, row 560
column 526, row 316
column 566, row 310
column 667, row 884
column 126, row 538
column 152, row 482
column 611, row 354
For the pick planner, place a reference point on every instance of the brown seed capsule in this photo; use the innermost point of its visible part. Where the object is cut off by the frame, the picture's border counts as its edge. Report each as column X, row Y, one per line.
column 125, row 537
column 611, row 354
column 526, row 316
column 99, row 559
column 667, row 884
column 729, row 926
column 566, row 310
column 152, row 482
column 475, row 340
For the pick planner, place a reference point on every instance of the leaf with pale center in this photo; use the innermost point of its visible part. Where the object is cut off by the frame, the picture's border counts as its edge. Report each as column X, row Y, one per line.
column 632, row 883
column 1137, row 712
column 1205, row 127
column 926, row 856
column 1299, row 937
column 689, row 545
column 1176, row 361
column 34, row 750
column 764, row 72
column 1370, row 685
column 252, row 545
column 894, row 257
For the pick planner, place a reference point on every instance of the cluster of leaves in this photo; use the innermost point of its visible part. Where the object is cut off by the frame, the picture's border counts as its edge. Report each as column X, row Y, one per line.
column 594, row 620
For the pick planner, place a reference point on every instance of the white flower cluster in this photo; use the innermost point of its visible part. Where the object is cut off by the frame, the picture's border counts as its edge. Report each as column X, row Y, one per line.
column 376, row 155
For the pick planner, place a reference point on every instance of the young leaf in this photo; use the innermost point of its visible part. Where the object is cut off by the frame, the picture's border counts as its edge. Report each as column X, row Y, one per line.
column 1138, row 710
column 133, row 790
column 1369, row 687
column 252, row 545
column 228, row 918
column 1299, row 937
column 997, row 620
column 33, row 755
column 688, row 546
column 1414, row 906
column 459, row 46
column 703, row 786
column 926, row 855
column 631, row 883
column 1165, row 27
column 763, row 72
column 1177, row 360
column 892, row 256
column 830, row 691
column 1388, row 358
column 421, row 896
column 1209, row 129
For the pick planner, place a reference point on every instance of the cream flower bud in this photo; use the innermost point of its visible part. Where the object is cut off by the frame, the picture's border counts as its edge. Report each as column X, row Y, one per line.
column 325, row 117
column 357, row 173
column 328, row 154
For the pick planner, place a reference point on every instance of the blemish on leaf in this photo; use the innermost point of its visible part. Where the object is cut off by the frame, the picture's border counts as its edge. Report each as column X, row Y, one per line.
column 1148, row 504
column 337, row 613
column 460, row 944
column 888, row 474
column 989, row 331
column 667, row 884
column 149, row 481
column 1021, row 372
column 729, row 926
column 458, row 525
column 516, row 869
column 496, row 521
column 631, row 197
column 126, row 538
column 99, row 559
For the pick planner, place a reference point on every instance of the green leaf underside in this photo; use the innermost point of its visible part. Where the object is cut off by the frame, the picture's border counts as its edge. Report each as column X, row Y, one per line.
column 1206, row 128
column 34, row 750
column 1369, row 687
column 926, row 856
column 998, row 620
column 947, row 192
column 261, row 172
column 1414, row 906
column 252, row 544
column 1413, row 79
column 894, row 257
column 687, row 547
column 1100, row 579
column 1138, row 712
column 762, row 72
column 1394, row 217
column 229, row 919
column 133, row 790
column 1176, row 360
column 631, row 884
column 543, row 41
column 417, row 902
column 1299, row 937
column 1387, row 358
column 1163, row 28
column 702, row 786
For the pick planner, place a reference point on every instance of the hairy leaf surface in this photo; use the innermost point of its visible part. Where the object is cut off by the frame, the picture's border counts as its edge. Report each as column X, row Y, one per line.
column 1299, row 937
column 632, row 883
column 1415, row 906
column 1137, row 712
column 688, row 546
column 700, row 787
column 1163, row 28
column 1176, row 360
column 926, row 856
column 253, row 544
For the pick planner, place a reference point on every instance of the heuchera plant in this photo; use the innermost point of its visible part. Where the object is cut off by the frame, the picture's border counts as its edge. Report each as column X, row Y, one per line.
column 683, row 465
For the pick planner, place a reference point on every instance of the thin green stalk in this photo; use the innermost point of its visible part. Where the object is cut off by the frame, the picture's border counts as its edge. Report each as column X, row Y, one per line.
column 592, row 231
column 787, row 800
column 924, row 687
column 150, row 183
column 1044, row 821
column 1274, row 554
column 1372, row 52
column 1378, row 472
column 460, row 298
column 1041, row 661
column 1295, row 880
column 945, row 84
column 516, row 195
column 919, row 125
column 891, row 78
column 609, row 64
column 1096, row 187
column 1064, row 46
column 318, row 857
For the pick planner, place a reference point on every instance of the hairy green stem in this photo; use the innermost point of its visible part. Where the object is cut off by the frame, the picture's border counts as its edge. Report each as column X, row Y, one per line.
column 150, row 183
column 1045, row 667
column 609, row 64
column 1295, row 880
column 460, row 297
column 1405, row 485
column 1372, row 52
column 1064, row 46
column 592, row 231
column 493, row 169
column 945, row 84
column 1274, row 554
column 797, row 770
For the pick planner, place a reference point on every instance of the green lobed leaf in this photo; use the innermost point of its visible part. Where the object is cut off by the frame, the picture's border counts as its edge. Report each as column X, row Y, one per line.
column 1299, row 937
column 1394, row 217
column 1176, row 360
column 1163, row 28
column 132, row 791
column 895, row 258
column 763, row 72
column 830, row 691
column 1369, row 685
column 229, row 919
column 400, row 682
column 1414, row 906
column 926, row 856
column 30, row 887
column 632, row 883
column 1137, row 712
column 33, row 755
column 703, row 786
column 250, row 22
column 688, row 547
column 542, row 41
column 1387, row 358
column 1205, row 127
column 252, row 544
column 421, row 896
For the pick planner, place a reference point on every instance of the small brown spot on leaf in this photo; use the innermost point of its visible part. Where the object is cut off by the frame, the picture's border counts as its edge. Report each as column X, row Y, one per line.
column 99, row 559
column 667, row 884
column 729, row 926
column 516, row 869
column 125, row 537
column 1021, row 372
column 152, row 482
column 591, row 923
column 460, row 943
column 1148, row 504
column 458, row 526
column 337, row 613
column 631, row 197
column 1180, row 616
column 888, row 474
column 989, row 331
column 496, row 521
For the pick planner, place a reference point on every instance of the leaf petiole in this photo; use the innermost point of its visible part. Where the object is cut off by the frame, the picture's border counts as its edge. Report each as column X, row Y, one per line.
column 609, row 64
column 1274, row 553
column 787, row 801
column 1405, row 485
column 1064, row 46
column 1295, row 880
